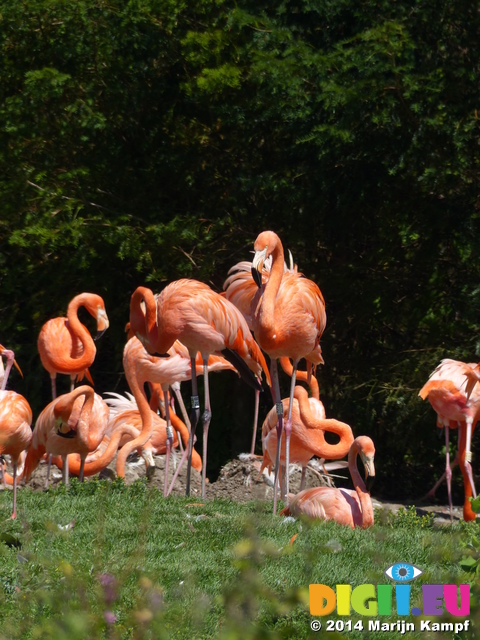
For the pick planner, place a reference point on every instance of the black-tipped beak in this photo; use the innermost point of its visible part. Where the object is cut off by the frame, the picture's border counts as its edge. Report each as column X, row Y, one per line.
column 99, row 334
column 257, row 276
column 69, row 434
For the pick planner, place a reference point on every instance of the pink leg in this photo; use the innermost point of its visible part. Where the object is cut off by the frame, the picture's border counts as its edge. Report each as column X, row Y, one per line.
column 169, row 441
column 279, row 409
column 302, row 478
column 468, row 455
column 194, row 416
column 288, row 428
column 207, row 416
column 255, row 421
column 448, row 470
column 14, row 512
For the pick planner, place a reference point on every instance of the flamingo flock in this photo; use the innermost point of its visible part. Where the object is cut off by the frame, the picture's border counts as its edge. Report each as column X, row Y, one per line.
column 268, row 314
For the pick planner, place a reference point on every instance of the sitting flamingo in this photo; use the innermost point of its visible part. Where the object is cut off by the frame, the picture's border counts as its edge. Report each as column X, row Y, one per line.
column 350, row 508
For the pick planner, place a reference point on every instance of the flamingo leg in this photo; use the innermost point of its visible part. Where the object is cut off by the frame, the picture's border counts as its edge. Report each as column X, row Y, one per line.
column 194, row 417
column 14, row 511
column 206, row 418
column 288, row 428
column 2, row 472
column 255, row 421
column 302, row 478
column 64, row 470
column 183, row 411
column 82, row 469
column 468, row 455
column 169, row 441
column 279, row 428
column 448, row 470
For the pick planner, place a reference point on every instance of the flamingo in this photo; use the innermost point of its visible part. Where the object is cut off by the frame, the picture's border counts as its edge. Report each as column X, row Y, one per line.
column 288, row 321
column 74, row 422
column 9, row 355
column 65, row 344
column 166, row 372
column 454, row 394
column 204, row 322
column 349, row 508
column 308, row 433
column 15, row 421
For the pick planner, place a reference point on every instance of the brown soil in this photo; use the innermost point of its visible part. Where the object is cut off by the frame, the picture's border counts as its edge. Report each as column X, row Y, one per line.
column 240, row 480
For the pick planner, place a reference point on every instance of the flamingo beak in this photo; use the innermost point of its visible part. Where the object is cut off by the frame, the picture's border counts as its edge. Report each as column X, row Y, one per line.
column 9, row 353
column 257, row 266
column 369, row 472
column 256, row 275
column 102, row 323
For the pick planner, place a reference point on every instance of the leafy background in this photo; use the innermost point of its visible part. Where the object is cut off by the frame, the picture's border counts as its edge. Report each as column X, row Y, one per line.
column 149, row 140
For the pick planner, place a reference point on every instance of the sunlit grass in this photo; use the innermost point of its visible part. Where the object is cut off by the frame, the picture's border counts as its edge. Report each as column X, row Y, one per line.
column 105, row 560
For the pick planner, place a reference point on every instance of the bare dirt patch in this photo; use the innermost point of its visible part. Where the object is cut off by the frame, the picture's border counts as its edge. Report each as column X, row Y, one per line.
column 240, row 480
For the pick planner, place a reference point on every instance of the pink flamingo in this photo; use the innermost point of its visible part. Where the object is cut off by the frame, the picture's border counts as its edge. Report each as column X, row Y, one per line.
column 65, row 344
column 308, row 433
column 288, row 322
column 74, row 422
column 204, row 322
column 454, row 394
column 349, row 508
column 15, row 421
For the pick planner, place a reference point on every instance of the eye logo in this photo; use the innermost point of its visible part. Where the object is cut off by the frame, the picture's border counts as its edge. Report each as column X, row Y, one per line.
column 403, row 572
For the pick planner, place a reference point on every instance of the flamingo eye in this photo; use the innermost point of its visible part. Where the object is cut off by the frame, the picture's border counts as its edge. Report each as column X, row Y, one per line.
column 402, row 572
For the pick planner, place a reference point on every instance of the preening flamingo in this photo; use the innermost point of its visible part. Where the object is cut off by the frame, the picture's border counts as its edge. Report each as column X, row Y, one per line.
column 9, row 355
column 287, row 322
column 454, row 393
column 205, row 322
column 308, row 434
column 350, row 508
column 15, row 421
column 65, row 344
column 74, row 422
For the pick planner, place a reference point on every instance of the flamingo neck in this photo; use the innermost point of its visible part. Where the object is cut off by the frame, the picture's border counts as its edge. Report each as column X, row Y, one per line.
column 301, row 376
column 136, row 387
column 266, row 316
column 80, row 333
column 360, row 488
column 143, row 317
column 318, row 426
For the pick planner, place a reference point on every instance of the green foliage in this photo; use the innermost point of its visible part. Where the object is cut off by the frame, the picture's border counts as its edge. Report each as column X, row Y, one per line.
column 145, row 141
column 406, row 518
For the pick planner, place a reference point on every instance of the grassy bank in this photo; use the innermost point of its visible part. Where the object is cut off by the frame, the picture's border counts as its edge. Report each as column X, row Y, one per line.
column 106, row 560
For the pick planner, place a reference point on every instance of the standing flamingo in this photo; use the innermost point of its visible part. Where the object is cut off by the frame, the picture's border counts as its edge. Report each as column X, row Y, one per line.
column 349, row 508
column 454, row 394
column 74, row 422
column 15, row 421
column 65, row 344
column 204, row 322
column 308, row 434
column 165, row 372
column 287, row 322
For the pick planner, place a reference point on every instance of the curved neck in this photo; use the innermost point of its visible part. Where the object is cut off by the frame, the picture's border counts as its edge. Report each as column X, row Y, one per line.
column 143, row 316
column 301, row 376
column 76, row 415
column 360, row 488
column 80, row 333
column 341, row 429
column 267, row 305
column 135, row 383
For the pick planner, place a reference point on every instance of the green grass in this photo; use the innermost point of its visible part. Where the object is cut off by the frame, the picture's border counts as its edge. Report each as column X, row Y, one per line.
column 166, row 569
